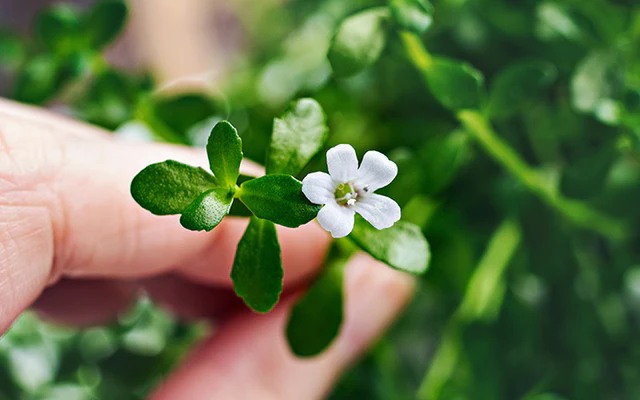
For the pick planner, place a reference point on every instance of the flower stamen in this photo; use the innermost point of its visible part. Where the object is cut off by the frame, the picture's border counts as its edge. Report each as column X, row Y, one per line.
column 346, row 195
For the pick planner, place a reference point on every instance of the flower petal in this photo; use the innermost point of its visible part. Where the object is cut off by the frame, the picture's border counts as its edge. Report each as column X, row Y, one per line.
column 336, row 219
column 342, row 163
column 380, row 211
column 318, row 187
column 376, row 171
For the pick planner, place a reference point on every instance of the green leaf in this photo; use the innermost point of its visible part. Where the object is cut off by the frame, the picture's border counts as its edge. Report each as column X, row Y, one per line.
column 170, row 187
column 182, row 112
column 316, row 318
column 413, row 15
column 518, row 85
column 359, row 41
column 58, row 28
column 279, row 199
column 104, row 22
column 455, row 84
column 38, row 80
column 110, row 100
column 403, row 246
column 297, row 137
column 440, row 159
column 257, row 269
column 224, row 150
column 591, row 81
column 206, row 212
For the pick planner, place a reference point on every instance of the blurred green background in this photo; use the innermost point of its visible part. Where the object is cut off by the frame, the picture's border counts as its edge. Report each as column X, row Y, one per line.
column 519, row 302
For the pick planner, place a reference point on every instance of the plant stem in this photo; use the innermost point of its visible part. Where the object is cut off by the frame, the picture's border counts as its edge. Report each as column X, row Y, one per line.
column 482, row 300
column 480, row 129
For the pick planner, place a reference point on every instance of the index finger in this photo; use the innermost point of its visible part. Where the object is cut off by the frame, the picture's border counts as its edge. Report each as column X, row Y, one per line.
column 66, row 210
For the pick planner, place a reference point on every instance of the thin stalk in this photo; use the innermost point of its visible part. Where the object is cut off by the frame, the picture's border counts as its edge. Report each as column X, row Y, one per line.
column 482, row 300
column 477, row 126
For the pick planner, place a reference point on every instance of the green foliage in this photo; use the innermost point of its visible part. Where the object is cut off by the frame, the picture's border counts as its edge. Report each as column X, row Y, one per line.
column 413, row 15
column 169, row 187
column 110, row 99
column 257, row 269
column 518, row 86
column 58, row 28
column 359, row 41
column 317, row 316
column 402, row 246
column 528, row 196
column 38, row 80
column 279, row 199
column 104, row 22
column 207, row 211
column 297, row 136
column 224, row 150
column 456, row 84
column 180, row 112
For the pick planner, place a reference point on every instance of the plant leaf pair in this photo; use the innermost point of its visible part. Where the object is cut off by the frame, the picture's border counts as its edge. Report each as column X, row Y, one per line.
column 63, row 28
column 203, row 199
column 277, row 198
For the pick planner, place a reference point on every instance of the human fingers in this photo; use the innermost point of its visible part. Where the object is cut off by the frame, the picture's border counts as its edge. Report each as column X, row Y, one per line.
column 85, row 302
column 248, row 358
column 66, row 210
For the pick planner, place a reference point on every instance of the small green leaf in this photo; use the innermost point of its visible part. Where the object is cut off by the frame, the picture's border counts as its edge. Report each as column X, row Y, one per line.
column 181, row 112
column 58, row 28
column 110, row 100
column 206, row 212
column 104, row 22
column 518, row 85
column 297, row 137
column 591, row 81
column 455, row 84
column 257, row 269
column 359, row 41
column 224, row 150
column 403, row 246
column 440, row 159
column 38, row 80
column 170, row 187
column 316, row 318
column 279, row 199
column 413, row 15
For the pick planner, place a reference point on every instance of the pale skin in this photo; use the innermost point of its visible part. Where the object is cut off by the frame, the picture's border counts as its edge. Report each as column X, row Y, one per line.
column 75, row 245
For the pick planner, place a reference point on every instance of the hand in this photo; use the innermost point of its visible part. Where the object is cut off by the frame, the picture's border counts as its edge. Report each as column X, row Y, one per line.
column 68, row 223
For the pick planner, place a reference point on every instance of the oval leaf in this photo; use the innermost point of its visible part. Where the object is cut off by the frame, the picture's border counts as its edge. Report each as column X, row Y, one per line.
column 104, row 23
column 224, row 150
column 279, row 199
column 170, row 187
column 110, row 99
column 257, row 269
column 403, row 246
column 58, row 28
column 358, row 41
column 591, row 81
column 297, row 137
column 39, row 80
column 181, row 112
column 519, row 84
column 206, row 212
column 455, row 84
column 413, row 15
column 316, row 318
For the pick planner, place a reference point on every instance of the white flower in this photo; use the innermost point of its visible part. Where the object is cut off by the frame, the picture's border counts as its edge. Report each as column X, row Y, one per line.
column 347, row 189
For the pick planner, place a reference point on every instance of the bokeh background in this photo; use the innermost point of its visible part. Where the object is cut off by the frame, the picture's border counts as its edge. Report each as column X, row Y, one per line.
column 519, row 303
